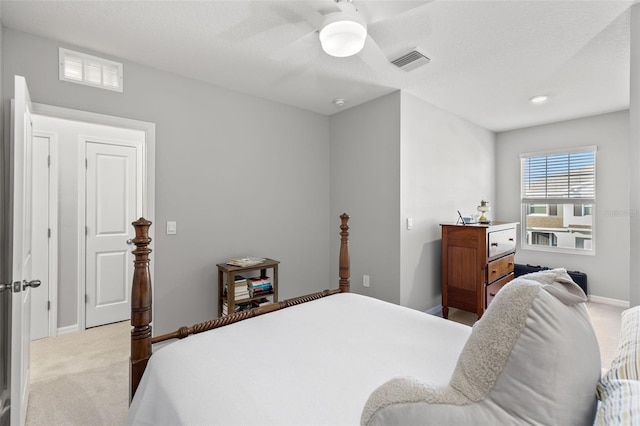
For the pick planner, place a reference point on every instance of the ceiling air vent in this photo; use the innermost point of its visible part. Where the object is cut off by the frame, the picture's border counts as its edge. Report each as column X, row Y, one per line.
column 411, row 61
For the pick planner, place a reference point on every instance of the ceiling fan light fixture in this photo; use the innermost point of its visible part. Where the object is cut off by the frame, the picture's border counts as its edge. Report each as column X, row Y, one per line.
column 343, row 34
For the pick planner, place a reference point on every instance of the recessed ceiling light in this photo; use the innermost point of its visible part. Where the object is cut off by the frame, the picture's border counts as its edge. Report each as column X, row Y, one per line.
column 540, row 99
column 339, row 102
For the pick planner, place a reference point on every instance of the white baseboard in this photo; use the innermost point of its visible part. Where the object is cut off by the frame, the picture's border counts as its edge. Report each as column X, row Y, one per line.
column 68, row 329
column 609, row 301
column 436, row 310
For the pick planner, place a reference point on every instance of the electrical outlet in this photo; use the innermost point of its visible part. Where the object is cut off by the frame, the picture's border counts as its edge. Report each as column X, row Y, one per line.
column 365, row 280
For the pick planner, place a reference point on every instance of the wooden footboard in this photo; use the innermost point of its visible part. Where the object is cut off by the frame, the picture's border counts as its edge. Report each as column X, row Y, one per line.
column 141, row 309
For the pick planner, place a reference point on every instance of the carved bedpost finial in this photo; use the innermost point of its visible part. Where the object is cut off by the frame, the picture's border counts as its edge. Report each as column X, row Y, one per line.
column 344, row 254
column 141, row 312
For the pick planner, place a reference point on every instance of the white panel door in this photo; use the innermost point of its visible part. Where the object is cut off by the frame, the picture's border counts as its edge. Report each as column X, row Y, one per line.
column 113, row 188
column 40, row 232
column 21, row 252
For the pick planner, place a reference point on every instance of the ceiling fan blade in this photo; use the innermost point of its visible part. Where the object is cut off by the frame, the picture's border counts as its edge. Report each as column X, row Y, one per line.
column 309, row 41
column 375, row 11
column 271, row 16
column 372, row 55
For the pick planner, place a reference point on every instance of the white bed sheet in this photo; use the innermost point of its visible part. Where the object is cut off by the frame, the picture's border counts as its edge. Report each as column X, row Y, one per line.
column 314, row 363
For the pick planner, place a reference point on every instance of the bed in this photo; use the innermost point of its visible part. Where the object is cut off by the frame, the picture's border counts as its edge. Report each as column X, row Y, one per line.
column 339, row 358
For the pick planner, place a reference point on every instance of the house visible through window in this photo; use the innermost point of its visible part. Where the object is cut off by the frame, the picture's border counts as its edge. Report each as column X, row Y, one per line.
column 558, row 200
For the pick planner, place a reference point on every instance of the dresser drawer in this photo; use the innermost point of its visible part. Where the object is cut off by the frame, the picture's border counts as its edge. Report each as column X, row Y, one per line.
column 502, row 241
column 492, row 289
column 500, row 267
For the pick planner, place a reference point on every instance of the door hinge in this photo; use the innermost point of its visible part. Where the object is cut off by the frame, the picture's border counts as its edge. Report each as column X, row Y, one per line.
column 86, row 163
column 86, row 230
column 49, row 232
column 48, row 161
column 48, row 305
column 86, row 298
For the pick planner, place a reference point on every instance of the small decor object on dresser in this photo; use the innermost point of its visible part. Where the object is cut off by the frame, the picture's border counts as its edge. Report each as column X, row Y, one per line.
column 477, row 261
column 483, row 208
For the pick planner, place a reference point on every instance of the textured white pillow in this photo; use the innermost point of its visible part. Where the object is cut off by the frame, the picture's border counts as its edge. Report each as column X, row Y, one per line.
column 532, row 358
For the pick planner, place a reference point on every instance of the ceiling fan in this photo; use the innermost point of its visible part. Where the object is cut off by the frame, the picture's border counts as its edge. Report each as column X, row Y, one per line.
column 342, row 27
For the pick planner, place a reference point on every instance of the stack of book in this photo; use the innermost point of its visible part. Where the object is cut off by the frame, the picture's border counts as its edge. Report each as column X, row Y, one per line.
column 260, row 302
column 237, row 308
column 258, row 286
column 246, row 261
column 240, row 289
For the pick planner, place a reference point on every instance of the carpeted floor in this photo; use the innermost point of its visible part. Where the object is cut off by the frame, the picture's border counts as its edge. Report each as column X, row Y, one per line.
column 82, row 378
column 605, row 320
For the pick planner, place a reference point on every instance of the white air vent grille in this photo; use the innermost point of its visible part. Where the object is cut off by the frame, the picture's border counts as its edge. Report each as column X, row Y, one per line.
column 90, row 70
column 411, row 61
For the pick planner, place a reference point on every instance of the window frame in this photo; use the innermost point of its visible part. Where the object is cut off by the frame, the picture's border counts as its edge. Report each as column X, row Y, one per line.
column 527, row 202
column 94, row 60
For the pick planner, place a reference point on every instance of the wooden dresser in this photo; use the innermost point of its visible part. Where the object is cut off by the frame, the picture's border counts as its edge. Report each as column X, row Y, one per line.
column 477, row 261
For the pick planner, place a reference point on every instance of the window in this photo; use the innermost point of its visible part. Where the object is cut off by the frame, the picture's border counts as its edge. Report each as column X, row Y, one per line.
column 90, row 70
column 558, row 200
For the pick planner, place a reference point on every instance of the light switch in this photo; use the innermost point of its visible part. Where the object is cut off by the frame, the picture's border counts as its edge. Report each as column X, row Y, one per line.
column 409, row 223
column 171, row 227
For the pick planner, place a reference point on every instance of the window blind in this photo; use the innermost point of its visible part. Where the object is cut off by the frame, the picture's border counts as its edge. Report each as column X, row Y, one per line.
column 568, row 177
column 90, row 70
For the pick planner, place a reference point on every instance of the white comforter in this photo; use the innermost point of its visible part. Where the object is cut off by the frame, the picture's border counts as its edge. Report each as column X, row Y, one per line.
column 315, row 363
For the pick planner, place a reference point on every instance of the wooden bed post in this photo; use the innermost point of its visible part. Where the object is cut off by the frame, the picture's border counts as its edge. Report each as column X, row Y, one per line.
column 141, row 313
column 344, row 254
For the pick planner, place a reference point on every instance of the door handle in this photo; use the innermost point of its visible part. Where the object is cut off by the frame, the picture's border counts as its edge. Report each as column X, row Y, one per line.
column 32, row 284
column 130, row 241
column 4, row 287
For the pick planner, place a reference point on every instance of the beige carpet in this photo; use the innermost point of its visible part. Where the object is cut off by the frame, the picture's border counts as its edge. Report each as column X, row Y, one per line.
column 82, row 378
column 605, row 320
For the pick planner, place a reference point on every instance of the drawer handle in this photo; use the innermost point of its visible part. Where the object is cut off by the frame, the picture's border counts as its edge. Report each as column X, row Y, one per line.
column 492, row 294
column 494, row 244
column 510, row 264
column 494, row 271
column 510, row 239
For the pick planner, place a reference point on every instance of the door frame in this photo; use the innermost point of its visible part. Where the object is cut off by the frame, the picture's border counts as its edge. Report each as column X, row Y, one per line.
column 53, row 226
column 148, row 179
column 82, row 209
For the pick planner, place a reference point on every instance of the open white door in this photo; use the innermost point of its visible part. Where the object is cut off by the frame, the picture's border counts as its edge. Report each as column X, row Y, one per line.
column 21, row 259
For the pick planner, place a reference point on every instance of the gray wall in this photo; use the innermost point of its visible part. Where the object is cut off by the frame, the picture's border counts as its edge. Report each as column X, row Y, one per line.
column 397, row 157
column 239, row 174
column 365, row 183
column 447, row 164
column 608, row 270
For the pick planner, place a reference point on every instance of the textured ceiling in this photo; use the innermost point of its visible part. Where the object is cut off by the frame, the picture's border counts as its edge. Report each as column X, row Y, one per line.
column 487, row 57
